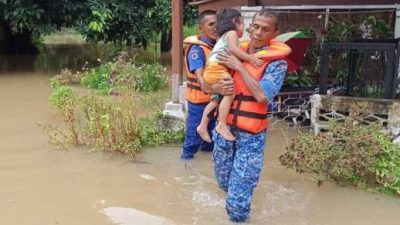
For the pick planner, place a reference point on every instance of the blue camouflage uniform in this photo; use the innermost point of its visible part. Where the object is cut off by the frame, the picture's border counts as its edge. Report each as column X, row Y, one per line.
column 238, row 164
column 196, row 60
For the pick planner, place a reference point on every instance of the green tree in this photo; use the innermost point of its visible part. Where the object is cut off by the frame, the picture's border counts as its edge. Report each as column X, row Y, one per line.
column 161, row 19
column 131, row 22
column 23, row 21
column 118, row 21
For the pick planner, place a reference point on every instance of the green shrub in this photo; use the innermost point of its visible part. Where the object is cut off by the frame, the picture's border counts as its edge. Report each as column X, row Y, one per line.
column 150, row 77
column 387, row 166
column 105, row 124
column 150, row 135
column 98, row 78
column 190, row 30
column 110, row 125
column 61, row 95
column 350, row 153
column 125, row 73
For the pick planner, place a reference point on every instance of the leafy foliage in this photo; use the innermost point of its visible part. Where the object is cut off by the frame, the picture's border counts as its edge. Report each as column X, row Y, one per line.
column 105, row 124
column 112, row 123
column 161, row 21
column 23, row 22
column 150, row 135
column 190, row 30
column 62, row 95
column 98, row 78
column 341, row 29
column 350, row 153
column 125, row 73
column 117, row 21
column 24, row 15
column 299, row 79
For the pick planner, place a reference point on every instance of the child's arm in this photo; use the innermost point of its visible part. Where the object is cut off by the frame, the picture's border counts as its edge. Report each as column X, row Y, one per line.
column 233, row 45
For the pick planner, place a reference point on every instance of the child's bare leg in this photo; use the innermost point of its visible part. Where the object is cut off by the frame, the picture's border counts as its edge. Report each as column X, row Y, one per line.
column 223, row 111
column 202, row 129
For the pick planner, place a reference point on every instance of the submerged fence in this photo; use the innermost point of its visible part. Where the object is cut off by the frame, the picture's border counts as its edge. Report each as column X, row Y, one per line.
column 292, row 108
column 385, row 112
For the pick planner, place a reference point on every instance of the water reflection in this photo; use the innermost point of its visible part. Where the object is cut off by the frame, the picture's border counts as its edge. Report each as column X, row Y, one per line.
column 53, row 58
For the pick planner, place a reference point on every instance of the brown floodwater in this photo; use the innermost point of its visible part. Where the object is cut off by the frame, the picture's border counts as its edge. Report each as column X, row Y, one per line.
column 40, row 184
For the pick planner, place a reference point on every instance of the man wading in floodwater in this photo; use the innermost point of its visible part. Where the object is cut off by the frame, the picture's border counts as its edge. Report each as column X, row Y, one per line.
column 197, row 50
column 238, row 163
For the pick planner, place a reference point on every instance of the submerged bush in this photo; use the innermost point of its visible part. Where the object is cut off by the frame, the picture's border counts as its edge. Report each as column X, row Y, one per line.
column 61, row 96
column 125, row 73
column 151, row 135
column 98, row 78
column 105, row 124
column 350, row 153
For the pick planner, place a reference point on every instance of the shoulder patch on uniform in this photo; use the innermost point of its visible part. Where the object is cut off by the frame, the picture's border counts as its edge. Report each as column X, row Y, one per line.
column 194, row 55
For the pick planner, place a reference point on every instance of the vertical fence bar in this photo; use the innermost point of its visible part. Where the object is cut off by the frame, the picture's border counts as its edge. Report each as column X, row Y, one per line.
column 326, row 49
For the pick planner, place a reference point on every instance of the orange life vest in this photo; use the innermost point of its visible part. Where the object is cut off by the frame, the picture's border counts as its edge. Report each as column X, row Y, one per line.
column 246, row 113
column 194, row 94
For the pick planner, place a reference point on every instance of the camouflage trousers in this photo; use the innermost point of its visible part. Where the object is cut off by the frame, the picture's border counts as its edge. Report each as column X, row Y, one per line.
column 237, row 168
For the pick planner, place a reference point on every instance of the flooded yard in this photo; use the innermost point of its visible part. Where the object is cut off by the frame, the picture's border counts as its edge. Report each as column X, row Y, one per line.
column 42, row 185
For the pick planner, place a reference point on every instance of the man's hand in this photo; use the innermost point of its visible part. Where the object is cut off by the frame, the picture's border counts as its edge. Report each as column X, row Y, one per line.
column 224, row 87
column 205, row 87
column 255, row 61
column 230, row 61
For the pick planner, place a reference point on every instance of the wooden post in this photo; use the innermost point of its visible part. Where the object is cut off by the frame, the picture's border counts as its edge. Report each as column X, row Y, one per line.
column 177, row 48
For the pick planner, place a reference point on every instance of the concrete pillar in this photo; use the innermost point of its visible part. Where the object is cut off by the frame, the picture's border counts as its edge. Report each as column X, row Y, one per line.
column 177, row 47
column 174, row 111
column 397, row 35
column 397, row 24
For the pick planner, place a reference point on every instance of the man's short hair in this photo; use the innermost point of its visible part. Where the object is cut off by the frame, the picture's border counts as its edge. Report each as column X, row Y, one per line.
column 204, row 14
column 268, row 13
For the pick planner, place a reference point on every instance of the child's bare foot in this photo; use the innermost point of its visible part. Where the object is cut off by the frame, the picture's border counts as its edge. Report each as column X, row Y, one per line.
column 203, row 132
column 225, row 132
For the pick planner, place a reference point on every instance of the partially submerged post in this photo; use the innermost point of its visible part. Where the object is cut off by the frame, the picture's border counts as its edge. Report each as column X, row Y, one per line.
column 175, row 108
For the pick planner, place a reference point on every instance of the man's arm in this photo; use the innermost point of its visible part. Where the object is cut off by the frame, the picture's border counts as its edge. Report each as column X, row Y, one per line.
column 223, row 87
column 253, row 85
column 196, row 61
column 273, row 78
column 200, row 79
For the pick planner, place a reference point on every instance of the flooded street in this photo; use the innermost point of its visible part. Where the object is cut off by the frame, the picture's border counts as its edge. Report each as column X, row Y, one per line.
column 40, row 185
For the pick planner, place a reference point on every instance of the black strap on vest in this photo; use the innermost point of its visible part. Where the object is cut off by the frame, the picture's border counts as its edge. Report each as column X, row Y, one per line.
column 246, row 98
column 237, row 112
column 193, row 87
column 191, row 79
column 248, row 114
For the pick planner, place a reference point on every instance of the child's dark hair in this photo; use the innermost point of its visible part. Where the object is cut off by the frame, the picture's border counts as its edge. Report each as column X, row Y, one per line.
column 226, row 19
